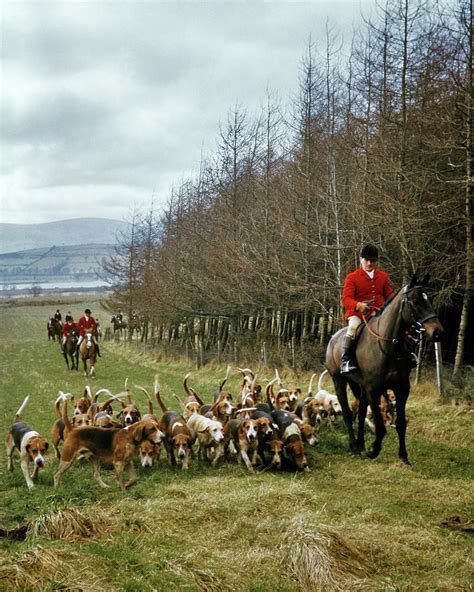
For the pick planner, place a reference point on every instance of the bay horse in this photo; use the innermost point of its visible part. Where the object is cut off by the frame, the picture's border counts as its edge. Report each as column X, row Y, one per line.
column 70, row 350
column 87, row 351
column 384, row 362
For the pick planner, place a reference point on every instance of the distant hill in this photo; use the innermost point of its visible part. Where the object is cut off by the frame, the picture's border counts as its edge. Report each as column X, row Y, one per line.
column 78, row 231
column 73, row 264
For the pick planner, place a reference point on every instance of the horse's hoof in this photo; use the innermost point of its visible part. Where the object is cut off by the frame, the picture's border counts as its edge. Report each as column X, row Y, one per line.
column 372, row 452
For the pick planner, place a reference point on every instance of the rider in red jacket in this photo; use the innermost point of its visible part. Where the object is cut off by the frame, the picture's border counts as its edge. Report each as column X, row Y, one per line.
column 68, row 327
column 364, row 292
column 85, row 324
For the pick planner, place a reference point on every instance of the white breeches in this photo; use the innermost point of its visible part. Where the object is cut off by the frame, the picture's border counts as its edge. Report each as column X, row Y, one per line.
column 353, row 322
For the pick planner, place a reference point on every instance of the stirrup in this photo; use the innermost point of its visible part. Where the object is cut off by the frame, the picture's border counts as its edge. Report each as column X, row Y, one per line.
column 347, row 366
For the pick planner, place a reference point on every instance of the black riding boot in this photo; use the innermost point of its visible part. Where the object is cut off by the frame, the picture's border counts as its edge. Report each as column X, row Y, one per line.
column 348, row 363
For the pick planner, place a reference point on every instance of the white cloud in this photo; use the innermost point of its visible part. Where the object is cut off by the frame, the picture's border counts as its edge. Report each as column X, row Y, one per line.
column 106, row 103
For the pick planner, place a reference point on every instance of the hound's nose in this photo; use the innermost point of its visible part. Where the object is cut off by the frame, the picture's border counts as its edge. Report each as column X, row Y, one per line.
column 438, row 334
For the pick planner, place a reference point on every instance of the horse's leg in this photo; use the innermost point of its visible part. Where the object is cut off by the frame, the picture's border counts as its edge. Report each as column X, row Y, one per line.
column 380, row 429
column 401, row 394
column 84, row 361
column 360, row 395
column 340, row 384
column 92, row 365
column 66, row 358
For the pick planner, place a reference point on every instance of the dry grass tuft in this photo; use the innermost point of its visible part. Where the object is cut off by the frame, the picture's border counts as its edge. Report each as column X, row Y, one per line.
column 43, row 569
column 68, row 523
column 323, row 560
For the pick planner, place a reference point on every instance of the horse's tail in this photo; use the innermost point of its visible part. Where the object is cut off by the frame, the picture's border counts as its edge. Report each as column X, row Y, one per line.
column 320, row 381
column 20, row 409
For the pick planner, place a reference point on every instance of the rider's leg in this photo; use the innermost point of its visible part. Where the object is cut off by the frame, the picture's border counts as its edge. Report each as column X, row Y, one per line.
column 96, row 346
column 79, row 342
column 348, row 362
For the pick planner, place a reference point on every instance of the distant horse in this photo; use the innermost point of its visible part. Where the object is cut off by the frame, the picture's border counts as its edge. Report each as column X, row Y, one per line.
column 87, row 352
column 384, row 363
column 54, row 329
column 70, row 350
column 134, row 325
column 119, row 326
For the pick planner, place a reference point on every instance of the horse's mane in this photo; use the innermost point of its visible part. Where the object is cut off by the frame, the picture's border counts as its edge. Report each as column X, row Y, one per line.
column 385, row 304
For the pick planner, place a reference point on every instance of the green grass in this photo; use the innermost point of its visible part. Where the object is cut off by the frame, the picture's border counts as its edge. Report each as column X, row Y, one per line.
column 350, row 524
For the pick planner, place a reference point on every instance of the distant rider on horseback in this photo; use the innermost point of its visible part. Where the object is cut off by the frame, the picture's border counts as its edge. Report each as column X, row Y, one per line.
column 87, row 323
column 57, row 316
column 68, row 327
column 364, row 292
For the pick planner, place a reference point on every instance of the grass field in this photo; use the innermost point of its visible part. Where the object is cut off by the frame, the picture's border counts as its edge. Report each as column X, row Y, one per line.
column 349, row 524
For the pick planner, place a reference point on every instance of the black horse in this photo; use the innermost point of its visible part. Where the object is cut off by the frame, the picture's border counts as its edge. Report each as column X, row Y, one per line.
column 134, row 324
column 70, row 350
column 54, row 329
column 384, row 362
column 119, row 326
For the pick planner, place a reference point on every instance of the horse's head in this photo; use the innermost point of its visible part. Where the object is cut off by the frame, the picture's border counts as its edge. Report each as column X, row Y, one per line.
column 418, row 310
column 88, row 339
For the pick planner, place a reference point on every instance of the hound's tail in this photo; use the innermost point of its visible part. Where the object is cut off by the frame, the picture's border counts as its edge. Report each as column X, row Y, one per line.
column 22, row 406
column 61, row 397
column 320, row 381
column 67, row 422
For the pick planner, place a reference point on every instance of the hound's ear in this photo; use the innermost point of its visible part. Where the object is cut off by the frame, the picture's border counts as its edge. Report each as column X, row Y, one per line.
column 425, row 280
column 138, row 434
column 46, row 446
column 413, row 281
column 298, row 390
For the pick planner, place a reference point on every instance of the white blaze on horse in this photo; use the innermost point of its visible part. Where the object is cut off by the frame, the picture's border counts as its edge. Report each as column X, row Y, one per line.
column 87, row 352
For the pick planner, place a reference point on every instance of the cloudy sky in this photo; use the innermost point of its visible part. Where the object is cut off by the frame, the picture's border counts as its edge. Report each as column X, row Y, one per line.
column 106, row 105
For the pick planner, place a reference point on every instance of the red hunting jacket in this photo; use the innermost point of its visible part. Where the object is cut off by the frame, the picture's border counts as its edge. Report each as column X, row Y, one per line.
column 68, row 327
column 87, row 325
column 359, row 287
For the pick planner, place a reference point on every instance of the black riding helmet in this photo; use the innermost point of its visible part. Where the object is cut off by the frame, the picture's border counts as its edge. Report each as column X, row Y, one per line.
column 369, row 251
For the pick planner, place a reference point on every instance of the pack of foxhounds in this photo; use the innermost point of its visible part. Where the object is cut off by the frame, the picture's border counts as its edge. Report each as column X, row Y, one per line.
column 264, row 428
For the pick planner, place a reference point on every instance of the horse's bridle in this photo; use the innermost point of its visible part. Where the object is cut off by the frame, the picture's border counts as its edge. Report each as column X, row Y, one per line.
column 416, row 323
column 405, row 302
